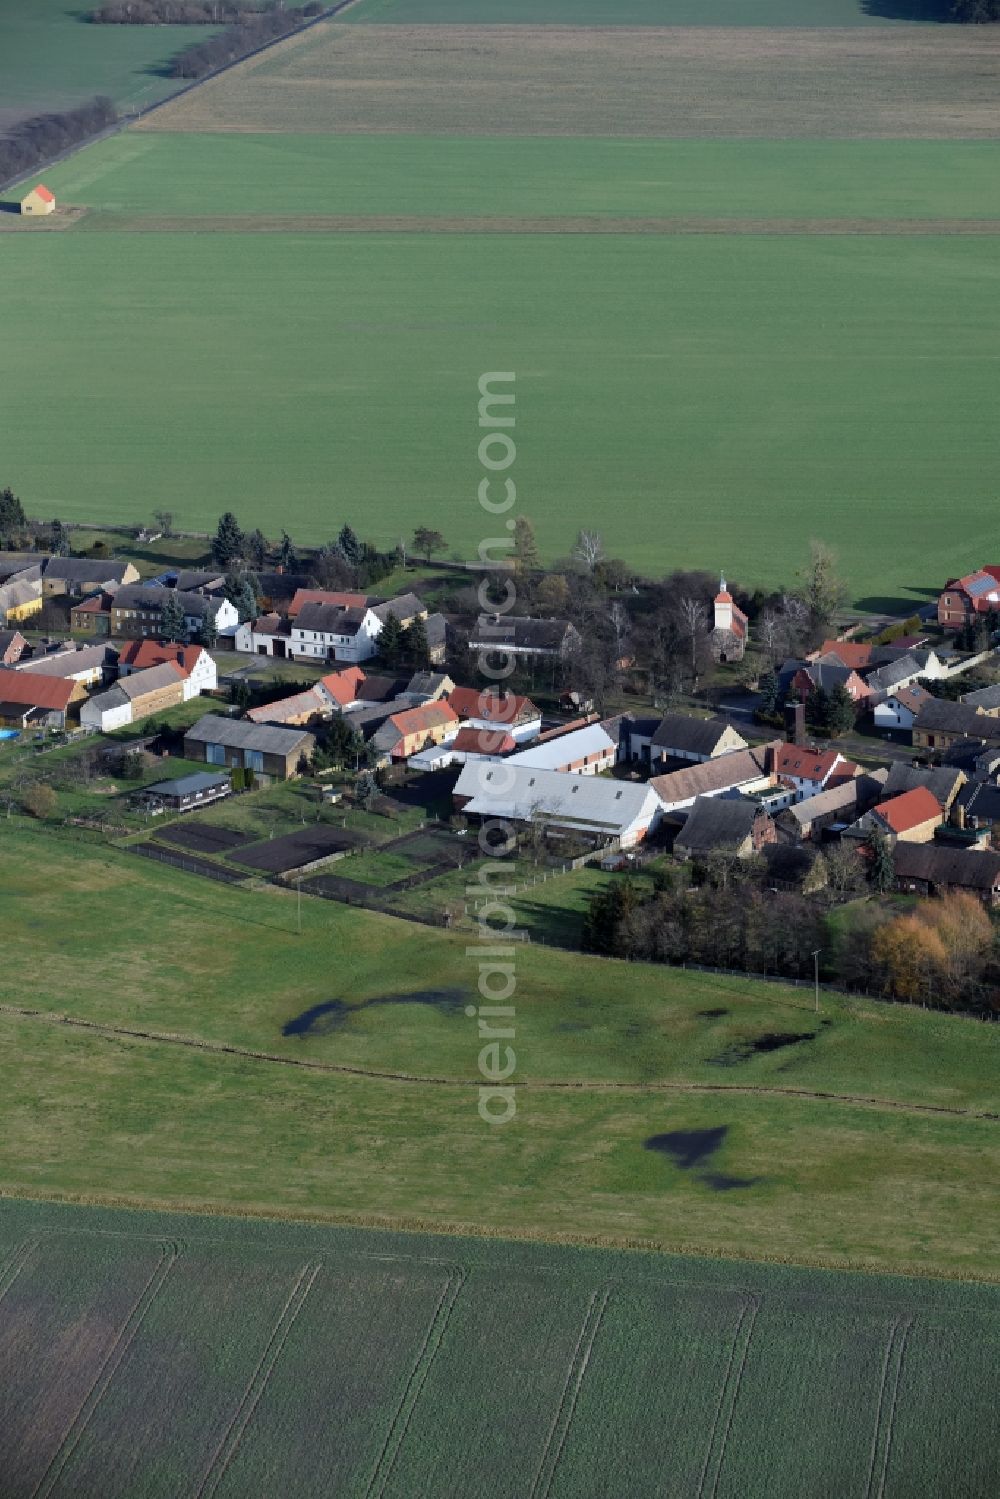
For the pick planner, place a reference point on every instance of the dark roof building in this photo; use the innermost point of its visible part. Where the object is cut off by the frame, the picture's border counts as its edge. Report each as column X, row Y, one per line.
column 734, row 823
column 933, row 869
column 521, row 635
column 679, row 736
column 259, row 747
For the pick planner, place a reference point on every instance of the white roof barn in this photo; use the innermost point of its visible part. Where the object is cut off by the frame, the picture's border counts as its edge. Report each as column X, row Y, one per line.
column 604, row 808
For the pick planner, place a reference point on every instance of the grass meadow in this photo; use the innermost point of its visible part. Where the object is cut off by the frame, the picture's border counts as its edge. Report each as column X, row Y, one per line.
column 147, row 1355
column 784, row 387
column 609, row 1057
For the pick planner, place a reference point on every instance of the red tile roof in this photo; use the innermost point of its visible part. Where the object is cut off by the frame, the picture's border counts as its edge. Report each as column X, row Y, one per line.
column 910, row 810
column 305, row 596
column 426, row 716
column 343, row 685
column 850, row 652
column 140, row 654
column 36, row 691
column 807, row 764
column 493, row 707
column 44, row 193
column 483, row 742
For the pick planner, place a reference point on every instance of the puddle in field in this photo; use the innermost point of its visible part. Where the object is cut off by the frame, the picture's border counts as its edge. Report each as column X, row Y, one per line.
column 326, row 1018
column 756, row 1046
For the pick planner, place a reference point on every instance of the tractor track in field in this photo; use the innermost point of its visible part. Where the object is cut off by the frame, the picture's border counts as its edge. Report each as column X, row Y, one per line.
column 96, row 221
column 537, row 1085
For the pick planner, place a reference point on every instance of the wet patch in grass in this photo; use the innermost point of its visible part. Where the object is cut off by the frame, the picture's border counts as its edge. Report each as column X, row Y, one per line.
column 326, row 1018
column 755, row 1046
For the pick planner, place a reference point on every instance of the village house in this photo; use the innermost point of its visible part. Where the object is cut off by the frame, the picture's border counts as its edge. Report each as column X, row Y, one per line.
column 904, row 670
column 405, row 606
column 428, row 687
column 489, row 709
column 197, row 666
column 977, row 805
column 137, row 611
column 899, row 709
column 38, row 202
column 736, row 824
column 936, row 869
column 963, row 599
column 826, row 675
column 911, row 817
column 75, row 577
column 810, row 771
column 407, row 733
column 89, row 665
column 331, row 632
column 31, row 699
column 20, row 601
column 269, row 635
column 520, row 635
column 294, row 711
column 940, row 724
column 805, row 821
column 744, row 772
column 92, row 615
column 601, row 810
column 134, row 697
column 678, row 736
column 238, row 743
column 855, row 654
column 943, row 782
column 730, row 627
column 984, row 699
column 12, row 647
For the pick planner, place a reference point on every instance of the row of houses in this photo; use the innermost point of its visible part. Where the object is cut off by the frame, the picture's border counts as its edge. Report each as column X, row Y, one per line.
column 321, row 626
column 103, row 687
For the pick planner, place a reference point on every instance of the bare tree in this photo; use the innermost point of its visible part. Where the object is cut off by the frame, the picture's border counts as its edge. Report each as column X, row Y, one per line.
column 795, row 620
column 588, row 549
column 770, row 630
column 621, row 624
column 694, row 621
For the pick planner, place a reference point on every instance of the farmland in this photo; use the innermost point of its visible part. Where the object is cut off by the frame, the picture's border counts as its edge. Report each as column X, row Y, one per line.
column 722, row 376
column 911, row 82
column 162, row 1354
column 333, row 1074
column 768, row 13
column 52, row 59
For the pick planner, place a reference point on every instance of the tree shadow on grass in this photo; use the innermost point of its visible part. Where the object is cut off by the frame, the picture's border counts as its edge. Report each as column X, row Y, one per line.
column 908, row 10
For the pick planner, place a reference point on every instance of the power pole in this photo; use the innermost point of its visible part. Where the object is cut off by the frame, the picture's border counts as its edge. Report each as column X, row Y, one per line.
column 816, row 974
column 298, row 887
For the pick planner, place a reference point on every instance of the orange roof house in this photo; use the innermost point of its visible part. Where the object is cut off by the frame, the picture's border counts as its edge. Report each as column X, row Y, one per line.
column 39, row 201
column 912, row 816
column 305, row 596
column 23, row 693
column 490, row 707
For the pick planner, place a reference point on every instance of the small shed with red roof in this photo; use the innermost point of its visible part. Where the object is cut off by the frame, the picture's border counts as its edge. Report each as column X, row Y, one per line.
column 38, row 202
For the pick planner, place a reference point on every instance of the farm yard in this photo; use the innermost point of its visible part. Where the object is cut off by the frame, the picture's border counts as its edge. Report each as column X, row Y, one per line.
column 219, row 1333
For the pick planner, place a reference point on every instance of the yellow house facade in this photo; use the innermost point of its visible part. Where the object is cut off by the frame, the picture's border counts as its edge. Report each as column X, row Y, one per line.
column 19, row 602
column 39, row 201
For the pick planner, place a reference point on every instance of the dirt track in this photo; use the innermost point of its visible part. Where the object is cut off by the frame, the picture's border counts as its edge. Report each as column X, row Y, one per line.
column 550, row 224
column 680, row 82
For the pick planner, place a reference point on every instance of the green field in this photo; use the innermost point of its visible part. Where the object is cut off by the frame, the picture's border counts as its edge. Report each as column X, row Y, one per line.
column 166, row 176
column 782, row 387
column 138, row 1102
column 151, row 1355
column 643, row 12
column 51, row 58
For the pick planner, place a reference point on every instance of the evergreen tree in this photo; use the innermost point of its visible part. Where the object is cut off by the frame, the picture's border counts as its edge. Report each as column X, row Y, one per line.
column 841, row 710
column 13, row 521
column 240, row 695
column 818, row 708
column 881, row 869
column 172, row 625
column 417, row 646
column 768, row 689
column 349, row 547
column 207, row 632
column 391, row 640
column 228, row 543
column 287, row 559
column 256, row 547
column 59, row 539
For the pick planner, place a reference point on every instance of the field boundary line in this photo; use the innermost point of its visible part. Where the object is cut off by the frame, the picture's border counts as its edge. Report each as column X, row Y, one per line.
column 258, row 1381
column 426, row 1354
column 728, row 1393
column 169, row 1254
column 566, row 1408
column 892, row 1367
column 582, row 1085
